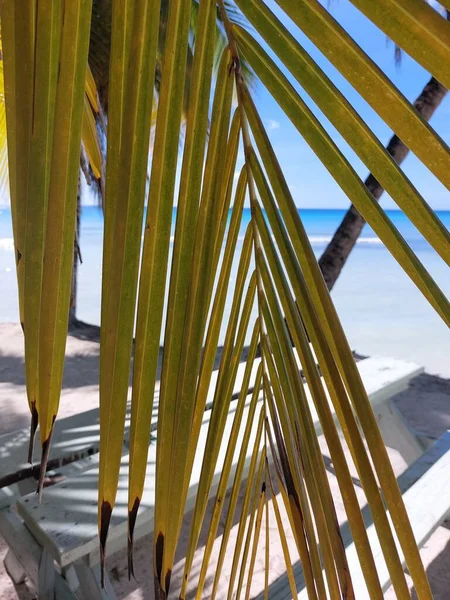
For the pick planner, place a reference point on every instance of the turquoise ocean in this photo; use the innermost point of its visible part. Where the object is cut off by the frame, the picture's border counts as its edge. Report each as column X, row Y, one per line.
column 381, row 310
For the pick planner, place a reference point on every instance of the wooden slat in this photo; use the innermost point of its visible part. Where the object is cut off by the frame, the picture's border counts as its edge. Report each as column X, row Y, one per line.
column 78, row 436
column 90, row 582
column 14, row 568
column 427, row 503
column 74, row 437
column 382, row 377
column 425, row 487
column 28, row 552
column 66, row 520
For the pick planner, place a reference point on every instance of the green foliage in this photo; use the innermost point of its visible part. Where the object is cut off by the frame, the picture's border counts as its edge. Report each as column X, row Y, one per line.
column 273, row 426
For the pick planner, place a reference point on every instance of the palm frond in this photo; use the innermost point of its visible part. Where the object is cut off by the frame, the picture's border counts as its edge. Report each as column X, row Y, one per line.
column 128, row 147
column 299, row 377
column 4, row 175
column 424, row 33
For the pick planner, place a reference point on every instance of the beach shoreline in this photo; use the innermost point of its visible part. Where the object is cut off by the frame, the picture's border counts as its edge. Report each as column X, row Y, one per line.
column 381, row 310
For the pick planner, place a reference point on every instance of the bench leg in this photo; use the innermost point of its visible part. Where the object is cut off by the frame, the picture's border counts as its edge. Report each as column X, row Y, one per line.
column 46, row 583
column 34, row 560
column 70, row 576
column 14, row 568
column 89, row 579
column 396, row 433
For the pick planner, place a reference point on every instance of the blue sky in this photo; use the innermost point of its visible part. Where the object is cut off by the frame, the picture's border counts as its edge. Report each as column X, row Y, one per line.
column 310, row 183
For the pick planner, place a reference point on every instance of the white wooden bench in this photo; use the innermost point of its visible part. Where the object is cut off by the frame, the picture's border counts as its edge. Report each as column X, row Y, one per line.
column 65, row 524
column 74, row 439
column 425, row 487
column 78, row 436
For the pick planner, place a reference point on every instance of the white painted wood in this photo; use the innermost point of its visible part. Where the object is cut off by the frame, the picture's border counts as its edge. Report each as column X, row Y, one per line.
column 66, row 521
column 28, row 552
column 70, row 576
column 425, row 487
column 427, row 503
column 89, row 581
column 46, row 575
column 14, row 568
column 382, row 377
column 21, row 542
column 77, row 436
column 396, row 433
column 8, row 495
column 74, row 437
column 426, row 494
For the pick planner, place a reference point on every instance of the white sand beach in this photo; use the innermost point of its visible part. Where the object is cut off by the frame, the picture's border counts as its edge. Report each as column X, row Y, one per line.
column 425, row 406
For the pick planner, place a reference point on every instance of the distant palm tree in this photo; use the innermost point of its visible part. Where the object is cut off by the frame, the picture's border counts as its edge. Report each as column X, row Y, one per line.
column 346, row 235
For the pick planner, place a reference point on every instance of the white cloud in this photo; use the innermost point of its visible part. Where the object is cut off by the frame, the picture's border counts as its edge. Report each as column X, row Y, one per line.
column 271, row 124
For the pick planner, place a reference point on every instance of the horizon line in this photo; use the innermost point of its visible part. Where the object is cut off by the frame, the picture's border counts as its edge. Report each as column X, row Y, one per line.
column 340, row 208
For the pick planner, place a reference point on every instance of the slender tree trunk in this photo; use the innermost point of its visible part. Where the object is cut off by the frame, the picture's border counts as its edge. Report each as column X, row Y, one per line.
column 336, row 253
column 76, row 258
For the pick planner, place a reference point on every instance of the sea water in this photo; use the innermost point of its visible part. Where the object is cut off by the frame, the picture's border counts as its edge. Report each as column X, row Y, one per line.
column 381, row 309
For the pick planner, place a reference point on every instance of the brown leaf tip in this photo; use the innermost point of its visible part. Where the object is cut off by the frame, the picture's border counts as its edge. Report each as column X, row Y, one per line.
column 167, row 580
column 46, row 445
column 132, row 515
column 33, row 427
column 105, row 519
column 160, row 594
column 130, row 561
column 159, row 551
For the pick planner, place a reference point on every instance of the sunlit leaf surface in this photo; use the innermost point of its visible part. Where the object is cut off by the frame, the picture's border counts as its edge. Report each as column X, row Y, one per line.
column 238, row 423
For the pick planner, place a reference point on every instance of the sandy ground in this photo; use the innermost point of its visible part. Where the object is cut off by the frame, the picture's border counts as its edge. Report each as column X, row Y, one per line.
column 425, row 406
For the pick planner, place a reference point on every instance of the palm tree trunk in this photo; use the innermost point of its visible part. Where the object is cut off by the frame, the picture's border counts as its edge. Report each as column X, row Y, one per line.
column 73, row 321
column 338, row 250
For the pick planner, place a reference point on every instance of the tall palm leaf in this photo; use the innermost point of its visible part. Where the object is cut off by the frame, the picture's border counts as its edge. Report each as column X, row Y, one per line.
column 95, row 115
column 95, row 110
column 91, row 161
column 338, row 250
column 277, row 273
